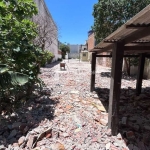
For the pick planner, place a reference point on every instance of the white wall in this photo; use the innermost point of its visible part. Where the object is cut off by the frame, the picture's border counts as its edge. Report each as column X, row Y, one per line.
column 43, row 10
column 74, row 51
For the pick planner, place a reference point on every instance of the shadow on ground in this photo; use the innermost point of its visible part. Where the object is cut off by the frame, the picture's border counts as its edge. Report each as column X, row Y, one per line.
column 52, row 64
column 134, row 116
column 26, row 117
column 124, row 75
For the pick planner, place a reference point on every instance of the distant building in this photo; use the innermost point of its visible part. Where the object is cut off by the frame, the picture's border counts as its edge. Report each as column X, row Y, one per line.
column 44, row 12
column 74, row 51
column 84, row 54
column 91, row 42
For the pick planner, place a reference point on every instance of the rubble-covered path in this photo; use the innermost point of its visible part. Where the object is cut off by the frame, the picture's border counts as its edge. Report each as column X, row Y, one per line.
column 68, row 117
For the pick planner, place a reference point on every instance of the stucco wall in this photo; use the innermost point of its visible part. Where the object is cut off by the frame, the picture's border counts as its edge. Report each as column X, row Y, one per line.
column 84, row 56
column 43, row 10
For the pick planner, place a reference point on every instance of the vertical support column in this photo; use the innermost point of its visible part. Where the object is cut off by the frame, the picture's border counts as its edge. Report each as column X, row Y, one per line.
column 140, row 74
column 93, row 71
column 115, row 85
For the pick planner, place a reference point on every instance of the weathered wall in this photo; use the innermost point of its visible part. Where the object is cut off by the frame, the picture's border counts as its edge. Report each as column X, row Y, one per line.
column 105, row 61
column 134, row 69
column 90, row 43
column 99, row 60
column 147, row 69
column 42, row 10
column 84, row 56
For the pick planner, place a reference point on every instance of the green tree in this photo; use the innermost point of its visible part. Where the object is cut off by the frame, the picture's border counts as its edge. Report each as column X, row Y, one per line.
column 17, row 33
column 65, row 49
column 109, row 15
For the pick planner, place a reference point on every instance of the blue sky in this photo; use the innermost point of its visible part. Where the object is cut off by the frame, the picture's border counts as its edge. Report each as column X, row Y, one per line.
column 73, row 18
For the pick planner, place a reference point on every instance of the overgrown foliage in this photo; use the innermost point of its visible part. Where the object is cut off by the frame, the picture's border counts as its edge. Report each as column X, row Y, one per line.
column 47, row 58
column 111, row 14
column 65, row 49
column 17, row 51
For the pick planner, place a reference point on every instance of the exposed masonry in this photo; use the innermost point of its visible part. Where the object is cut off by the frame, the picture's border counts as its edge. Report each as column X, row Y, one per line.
column 43, row 10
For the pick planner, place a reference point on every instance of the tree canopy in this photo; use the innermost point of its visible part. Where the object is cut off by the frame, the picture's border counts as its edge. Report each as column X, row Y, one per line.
column 65, row 49
column 111, row 14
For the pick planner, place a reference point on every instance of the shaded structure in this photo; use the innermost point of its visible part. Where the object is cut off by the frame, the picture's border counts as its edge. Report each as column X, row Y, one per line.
column 130, row 40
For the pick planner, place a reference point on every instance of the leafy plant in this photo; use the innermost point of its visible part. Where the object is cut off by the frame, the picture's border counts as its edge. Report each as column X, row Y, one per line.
column 46, row 58
column 111, row 14
column 17, row 49
column 8, row 78
column 65, row 49
column 10, row 83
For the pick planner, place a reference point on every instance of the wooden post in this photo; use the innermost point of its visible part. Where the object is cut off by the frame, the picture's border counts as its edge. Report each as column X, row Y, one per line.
column 115, row 85
column 93, row 71
column 140, row 74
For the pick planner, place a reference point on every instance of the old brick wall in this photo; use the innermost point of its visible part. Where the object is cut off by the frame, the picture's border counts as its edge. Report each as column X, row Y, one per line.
column 104, row 61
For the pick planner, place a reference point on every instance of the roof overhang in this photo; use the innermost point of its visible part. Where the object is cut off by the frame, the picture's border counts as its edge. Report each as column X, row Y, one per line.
column 134, row 34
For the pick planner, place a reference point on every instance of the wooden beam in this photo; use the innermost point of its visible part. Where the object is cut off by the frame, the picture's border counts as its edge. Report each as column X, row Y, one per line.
column 115, row 85
column 130, row 56
column 111, row 41
column 138, row 48
column 123, row 56
column 135, row 26
column 96, row 49
column 103, row 55
column 93, row 71
column 138, row 34
column 107, row 48
column 140, row 74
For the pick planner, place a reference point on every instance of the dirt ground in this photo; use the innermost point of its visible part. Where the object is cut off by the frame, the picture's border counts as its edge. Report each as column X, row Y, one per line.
column 67, row 116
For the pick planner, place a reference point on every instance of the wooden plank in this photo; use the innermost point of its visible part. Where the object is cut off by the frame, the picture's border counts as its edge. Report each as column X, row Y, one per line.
column 140, row 74
column 139, row 25
column 93, row 71
column 123, row 55
column 111, row 41
column 115, row 84
column 139, row 34
column 146, row 55
column 138, row 48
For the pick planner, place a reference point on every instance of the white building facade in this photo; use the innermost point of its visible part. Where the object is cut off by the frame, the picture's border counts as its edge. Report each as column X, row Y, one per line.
column 44, row 12
column 74, row 51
